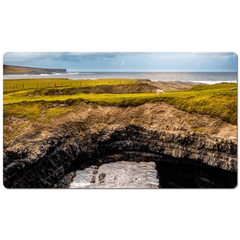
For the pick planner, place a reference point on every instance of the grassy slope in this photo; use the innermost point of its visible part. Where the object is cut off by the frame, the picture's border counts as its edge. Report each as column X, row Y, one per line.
column 216, row 100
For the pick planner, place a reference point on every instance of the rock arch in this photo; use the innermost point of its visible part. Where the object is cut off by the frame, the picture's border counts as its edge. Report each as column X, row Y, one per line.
column 40, row 160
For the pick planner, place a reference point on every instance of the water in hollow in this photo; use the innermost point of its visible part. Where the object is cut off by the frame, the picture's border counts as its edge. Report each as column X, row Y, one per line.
column 121, row 174
column 162, row 173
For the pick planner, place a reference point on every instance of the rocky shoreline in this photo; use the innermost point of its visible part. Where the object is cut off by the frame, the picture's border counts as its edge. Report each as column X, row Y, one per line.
column 40, row 160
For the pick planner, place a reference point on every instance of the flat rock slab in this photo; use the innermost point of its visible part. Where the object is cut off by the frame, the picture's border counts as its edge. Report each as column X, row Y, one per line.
column 118, row 175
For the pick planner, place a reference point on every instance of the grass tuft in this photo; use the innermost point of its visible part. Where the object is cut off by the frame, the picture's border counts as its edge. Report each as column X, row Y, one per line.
column 94, row 105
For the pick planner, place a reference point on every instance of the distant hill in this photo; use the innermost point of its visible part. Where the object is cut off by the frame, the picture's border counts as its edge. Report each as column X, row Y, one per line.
column 9, row 69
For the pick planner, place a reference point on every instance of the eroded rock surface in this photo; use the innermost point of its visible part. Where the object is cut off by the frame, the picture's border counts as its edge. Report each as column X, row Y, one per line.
column 41, row 159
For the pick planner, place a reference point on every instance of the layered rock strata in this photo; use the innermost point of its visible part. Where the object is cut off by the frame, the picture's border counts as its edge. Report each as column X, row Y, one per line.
column 41, row 159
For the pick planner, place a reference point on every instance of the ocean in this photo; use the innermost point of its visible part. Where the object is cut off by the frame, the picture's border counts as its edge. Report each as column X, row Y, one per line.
column 202, row 77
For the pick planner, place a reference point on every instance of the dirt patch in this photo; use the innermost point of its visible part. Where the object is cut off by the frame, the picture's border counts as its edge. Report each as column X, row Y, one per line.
column 59, row 92
column 154, row 116
column 174, row 85
column 114, row 89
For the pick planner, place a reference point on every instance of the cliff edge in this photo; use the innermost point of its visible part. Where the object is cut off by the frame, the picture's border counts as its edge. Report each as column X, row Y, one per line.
column 18, row 70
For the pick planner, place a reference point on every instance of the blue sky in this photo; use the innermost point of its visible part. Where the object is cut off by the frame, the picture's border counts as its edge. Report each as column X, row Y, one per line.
column 120, row 61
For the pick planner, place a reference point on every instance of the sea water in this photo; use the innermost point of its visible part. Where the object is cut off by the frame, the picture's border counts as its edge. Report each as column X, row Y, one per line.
column 122, row 174
column 202, row 77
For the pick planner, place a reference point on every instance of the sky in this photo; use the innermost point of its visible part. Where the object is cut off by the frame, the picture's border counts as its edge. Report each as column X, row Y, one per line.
column 126, row 61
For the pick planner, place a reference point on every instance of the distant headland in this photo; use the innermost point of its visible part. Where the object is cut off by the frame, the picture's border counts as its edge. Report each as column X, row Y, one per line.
column 10, row 70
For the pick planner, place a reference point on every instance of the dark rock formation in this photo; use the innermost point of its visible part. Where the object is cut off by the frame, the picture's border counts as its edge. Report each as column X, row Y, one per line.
column 101, row 177
column 66, row 180
column 182, row 174
column 40, row 160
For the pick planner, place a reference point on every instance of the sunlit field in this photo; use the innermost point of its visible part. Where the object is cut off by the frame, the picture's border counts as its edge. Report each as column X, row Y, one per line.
column 216, row 100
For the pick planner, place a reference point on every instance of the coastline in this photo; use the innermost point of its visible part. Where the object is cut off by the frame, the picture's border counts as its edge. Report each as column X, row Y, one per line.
column 81, row 133
column 198, row 77
column 22, row 70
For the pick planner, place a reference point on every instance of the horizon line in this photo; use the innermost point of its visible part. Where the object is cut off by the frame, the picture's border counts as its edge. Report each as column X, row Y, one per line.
column 97, row 71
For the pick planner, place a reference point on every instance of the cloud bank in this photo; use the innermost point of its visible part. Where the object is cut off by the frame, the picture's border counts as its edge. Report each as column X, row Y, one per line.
column 124, row 61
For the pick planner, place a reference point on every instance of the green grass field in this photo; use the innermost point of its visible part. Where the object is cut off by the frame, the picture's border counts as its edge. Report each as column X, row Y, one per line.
column 219, row 100
column 21, row 84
